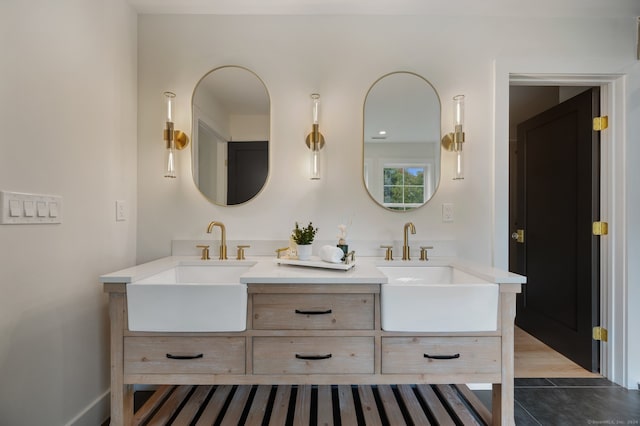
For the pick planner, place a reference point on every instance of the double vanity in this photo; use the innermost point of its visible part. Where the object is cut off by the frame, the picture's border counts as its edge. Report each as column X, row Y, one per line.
column 180, row 320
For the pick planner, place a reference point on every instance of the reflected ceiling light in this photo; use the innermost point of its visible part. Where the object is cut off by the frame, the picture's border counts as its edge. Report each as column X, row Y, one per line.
column 174, row 139
column 454, row 141
column 382, row 135
column 315, row 140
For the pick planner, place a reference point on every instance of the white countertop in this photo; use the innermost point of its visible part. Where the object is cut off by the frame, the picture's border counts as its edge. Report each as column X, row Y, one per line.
column 269, row 272
column 265, row 270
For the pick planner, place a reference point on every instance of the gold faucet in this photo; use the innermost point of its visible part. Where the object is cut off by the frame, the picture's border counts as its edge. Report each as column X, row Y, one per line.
column 223, row 238
column 406, row 255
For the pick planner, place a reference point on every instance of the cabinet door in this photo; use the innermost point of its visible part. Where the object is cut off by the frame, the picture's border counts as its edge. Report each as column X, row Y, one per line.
column 441, row 355
column 313, row 311
column 188, row 355
column 313, row 355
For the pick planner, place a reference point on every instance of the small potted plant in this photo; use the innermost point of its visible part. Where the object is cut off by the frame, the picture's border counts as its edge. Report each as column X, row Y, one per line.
column 303, row 237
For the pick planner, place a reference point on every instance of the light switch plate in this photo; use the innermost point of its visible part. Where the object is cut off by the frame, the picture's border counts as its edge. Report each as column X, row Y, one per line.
column 447, row 212
column 122, row 211
column 23, row 208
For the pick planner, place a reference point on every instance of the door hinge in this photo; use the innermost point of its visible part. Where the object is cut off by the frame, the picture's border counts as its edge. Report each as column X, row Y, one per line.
column 600, row 123
column 600, row 228
column 600, row 333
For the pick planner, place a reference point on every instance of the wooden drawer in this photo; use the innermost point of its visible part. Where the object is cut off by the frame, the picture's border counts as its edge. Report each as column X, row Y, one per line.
column 313, row 355
column 189, row 355
column 441, row 355
column 313, row 311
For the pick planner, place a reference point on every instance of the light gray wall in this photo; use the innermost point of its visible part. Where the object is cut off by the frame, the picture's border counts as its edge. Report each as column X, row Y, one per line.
column 349, row 54
column 68, row 84
column 630, row 215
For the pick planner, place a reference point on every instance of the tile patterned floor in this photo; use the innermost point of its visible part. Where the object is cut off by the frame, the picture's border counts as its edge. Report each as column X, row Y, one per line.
column 567, row 402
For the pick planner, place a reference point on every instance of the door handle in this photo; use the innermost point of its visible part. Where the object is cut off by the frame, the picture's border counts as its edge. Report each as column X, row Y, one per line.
column 518, row 236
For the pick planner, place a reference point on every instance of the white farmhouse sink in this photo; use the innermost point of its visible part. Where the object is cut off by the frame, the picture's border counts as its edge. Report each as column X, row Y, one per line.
column 437, row 299
column 190, row 298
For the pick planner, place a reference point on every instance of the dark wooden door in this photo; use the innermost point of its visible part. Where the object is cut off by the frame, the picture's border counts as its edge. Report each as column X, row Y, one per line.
column 247, row 169
column 556, row 174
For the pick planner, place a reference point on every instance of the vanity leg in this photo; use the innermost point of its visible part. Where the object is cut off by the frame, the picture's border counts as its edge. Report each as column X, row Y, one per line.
column 496, row 404
column 121, row 394
column 502, row 395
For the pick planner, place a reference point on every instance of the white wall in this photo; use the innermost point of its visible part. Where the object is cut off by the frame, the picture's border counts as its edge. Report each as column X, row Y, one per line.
column 68, row 112
column 632, row 215
column 249, row 128
column 340, row 57
column 348, row 54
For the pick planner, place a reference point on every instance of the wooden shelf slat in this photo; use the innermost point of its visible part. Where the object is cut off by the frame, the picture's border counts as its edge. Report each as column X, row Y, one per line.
column 435, row 406
column 259, row 405
column 213, row 408
column 391, row 407
column 325, row 406
column 152, row 404
column 460, row 409
column 414, row 408
column 347, row 405
column 280, row 406
column 369, row 407
column 170, row 406
column 190, row 410
column 236, row 408
column 302, row 413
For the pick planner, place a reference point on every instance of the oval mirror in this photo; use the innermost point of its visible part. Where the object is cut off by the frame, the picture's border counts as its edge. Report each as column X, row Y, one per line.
column 230, row 151
column 401, row 167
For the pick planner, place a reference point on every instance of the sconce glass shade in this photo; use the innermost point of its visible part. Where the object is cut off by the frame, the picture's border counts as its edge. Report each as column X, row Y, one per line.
column 458, row 136
column 314, row 172
column 458, row 110
column 170, row 148
column 168, row 98
column 170, row 163
column 315, row 140
column 316, row 106
column 458, row 171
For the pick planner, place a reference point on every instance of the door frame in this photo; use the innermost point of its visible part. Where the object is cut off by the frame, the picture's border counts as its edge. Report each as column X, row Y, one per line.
column 613, row 288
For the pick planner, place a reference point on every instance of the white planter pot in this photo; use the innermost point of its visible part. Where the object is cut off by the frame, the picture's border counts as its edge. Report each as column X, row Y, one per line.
column 304, row 251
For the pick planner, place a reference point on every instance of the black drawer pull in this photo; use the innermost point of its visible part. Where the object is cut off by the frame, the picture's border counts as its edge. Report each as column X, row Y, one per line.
column 185, row 356
column 299, row 311
column 442, row 356
column 313, row 357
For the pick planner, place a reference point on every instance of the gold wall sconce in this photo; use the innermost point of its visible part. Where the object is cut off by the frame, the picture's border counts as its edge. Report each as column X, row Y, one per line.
column 454, row 141
column 175, row 140
column 315, row 140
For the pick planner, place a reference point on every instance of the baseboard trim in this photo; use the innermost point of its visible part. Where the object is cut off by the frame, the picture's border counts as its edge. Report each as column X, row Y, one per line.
column 95, row 413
